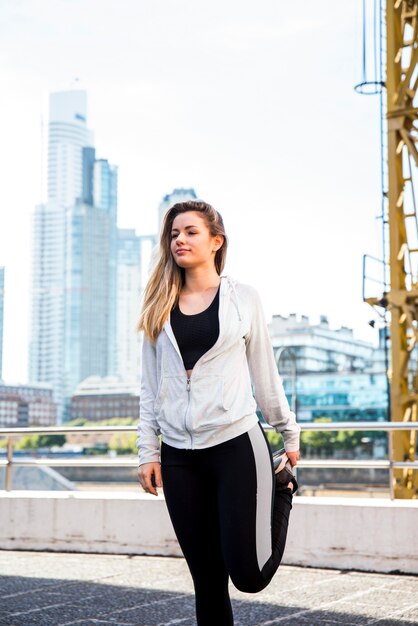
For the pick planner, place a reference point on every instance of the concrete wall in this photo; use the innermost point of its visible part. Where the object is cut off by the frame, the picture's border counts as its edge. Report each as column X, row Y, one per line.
column 350, row 533
column 354, row 533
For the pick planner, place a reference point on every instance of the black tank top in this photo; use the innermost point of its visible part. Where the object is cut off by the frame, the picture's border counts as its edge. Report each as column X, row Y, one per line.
column 195, row 334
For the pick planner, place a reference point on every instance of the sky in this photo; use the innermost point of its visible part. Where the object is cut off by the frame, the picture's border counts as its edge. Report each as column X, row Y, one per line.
column 250, row 103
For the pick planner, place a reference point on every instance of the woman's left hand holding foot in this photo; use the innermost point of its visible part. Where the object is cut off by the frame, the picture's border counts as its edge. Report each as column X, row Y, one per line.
column 293, row 457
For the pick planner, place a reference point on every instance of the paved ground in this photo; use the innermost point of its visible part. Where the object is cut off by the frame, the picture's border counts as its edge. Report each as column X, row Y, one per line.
column 59, row 589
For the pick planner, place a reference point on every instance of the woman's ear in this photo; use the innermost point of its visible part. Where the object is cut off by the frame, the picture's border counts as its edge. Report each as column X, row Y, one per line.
column 217, row 242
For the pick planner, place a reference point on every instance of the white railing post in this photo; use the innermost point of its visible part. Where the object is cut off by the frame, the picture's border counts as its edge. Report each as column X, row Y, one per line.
column 9, row 465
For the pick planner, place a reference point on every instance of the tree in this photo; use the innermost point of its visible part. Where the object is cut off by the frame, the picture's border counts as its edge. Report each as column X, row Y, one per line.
column 79, row 421
column 317, row 440
column 32, row 442
column 275, row 440
column 123, row 443
column 348, row 439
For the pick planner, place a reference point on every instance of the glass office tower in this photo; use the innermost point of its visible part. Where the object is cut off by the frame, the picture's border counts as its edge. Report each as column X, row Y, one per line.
column 73, row 257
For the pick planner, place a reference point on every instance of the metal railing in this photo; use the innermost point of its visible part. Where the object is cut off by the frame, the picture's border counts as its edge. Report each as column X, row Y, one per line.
column 11, row 433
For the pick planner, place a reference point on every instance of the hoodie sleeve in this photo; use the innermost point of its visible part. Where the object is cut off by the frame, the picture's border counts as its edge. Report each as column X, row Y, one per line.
column 147, row 441
column 268, row 387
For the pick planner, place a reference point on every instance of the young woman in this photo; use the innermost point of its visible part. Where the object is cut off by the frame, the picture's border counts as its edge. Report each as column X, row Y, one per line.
column 205, row 344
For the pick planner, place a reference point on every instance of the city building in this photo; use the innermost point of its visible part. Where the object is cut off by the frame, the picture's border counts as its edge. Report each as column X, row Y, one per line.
column 128, row 304
column 68, row 134
column 98, row 399
column 134, row 257
column 147, row 251
column 329, row 373
column 105, row 198
column 177, row 195
column 27, row 405
column 88, row 304
column 1, row 318
column 74, row 257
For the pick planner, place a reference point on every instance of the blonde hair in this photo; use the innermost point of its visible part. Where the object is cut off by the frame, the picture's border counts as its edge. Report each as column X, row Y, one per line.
column 167, row 278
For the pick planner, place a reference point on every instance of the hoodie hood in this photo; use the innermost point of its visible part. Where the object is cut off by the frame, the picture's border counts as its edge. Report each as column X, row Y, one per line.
column 231, row 286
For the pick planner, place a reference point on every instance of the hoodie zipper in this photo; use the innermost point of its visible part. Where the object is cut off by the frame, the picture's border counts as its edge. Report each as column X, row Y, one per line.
column 221, row 315
column 188, row 385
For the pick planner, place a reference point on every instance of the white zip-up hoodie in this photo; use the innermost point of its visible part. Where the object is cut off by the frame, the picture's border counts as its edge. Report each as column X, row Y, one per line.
column 216, row 403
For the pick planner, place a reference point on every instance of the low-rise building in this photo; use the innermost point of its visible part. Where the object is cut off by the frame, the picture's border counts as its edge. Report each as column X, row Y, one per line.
column 99, row 398
column 328, row 372
column 27, row 405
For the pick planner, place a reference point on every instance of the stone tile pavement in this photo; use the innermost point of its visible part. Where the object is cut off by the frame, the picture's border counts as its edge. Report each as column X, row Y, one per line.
column 62, row 589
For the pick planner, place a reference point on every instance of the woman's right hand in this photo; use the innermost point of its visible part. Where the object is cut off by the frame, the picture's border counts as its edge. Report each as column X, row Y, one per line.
column 150, row 473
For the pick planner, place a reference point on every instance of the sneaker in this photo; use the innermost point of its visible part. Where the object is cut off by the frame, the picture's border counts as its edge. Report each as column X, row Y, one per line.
column 283, row 470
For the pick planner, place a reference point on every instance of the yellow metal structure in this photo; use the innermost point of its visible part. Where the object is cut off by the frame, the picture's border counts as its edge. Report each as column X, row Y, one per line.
column 402, row 298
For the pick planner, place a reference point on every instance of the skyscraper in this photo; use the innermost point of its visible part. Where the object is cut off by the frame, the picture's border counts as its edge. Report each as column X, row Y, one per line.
column 177, row 195
column 1, row 318
column 134, row 257
column 105, row 198
column 67, row 136
column 128, row 303
column 74, row 256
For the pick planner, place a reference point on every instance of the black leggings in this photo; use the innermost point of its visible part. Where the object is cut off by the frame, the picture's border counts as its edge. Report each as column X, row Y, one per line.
column 229, row 517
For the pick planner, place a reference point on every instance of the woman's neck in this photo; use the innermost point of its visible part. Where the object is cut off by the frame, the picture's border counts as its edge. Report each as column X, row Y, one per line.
column 198, row 280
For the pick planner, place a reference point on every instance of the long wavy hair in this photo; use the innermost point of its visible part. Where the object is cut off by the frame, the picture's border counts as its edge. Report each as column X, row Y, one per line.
column 167, row 278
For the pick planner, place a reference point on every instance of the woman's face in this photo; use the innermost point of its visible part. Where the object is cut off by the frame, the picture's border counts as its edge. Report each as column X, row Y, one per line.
column 192, row 245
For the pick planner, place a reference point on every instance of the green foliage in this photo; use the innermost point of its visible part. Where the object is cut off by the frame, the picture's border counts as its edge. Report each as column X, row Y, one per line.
column 118, row 421
column 275, row 440
column 317, row 440
column 327, row 441
column 27, row 442
column 98, row 448
column 31, row 442
column 348, row 439
column 320, row 441
column 80, row 421
column 47, row 441
column 112, row 421
column 123, row 443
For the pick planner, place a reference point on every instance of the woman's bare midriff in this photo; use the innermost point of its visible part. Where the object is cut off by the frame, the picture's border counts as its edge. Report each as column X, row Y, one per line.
column 189, row 373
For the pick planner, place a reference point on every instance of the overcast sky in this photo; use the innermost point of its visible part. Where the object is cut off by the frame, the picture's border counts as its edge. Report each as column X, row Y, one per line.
column 250, row 103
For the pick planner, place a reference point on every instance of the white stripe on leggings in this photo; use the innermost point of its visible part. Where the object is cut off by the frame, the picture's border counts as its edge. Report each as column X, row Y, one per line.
column 264, row 495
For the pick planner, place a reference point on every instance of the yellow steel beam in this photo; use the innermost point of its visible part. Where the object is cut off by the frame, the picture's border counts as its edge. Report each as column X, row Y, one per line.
column 402, row 299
